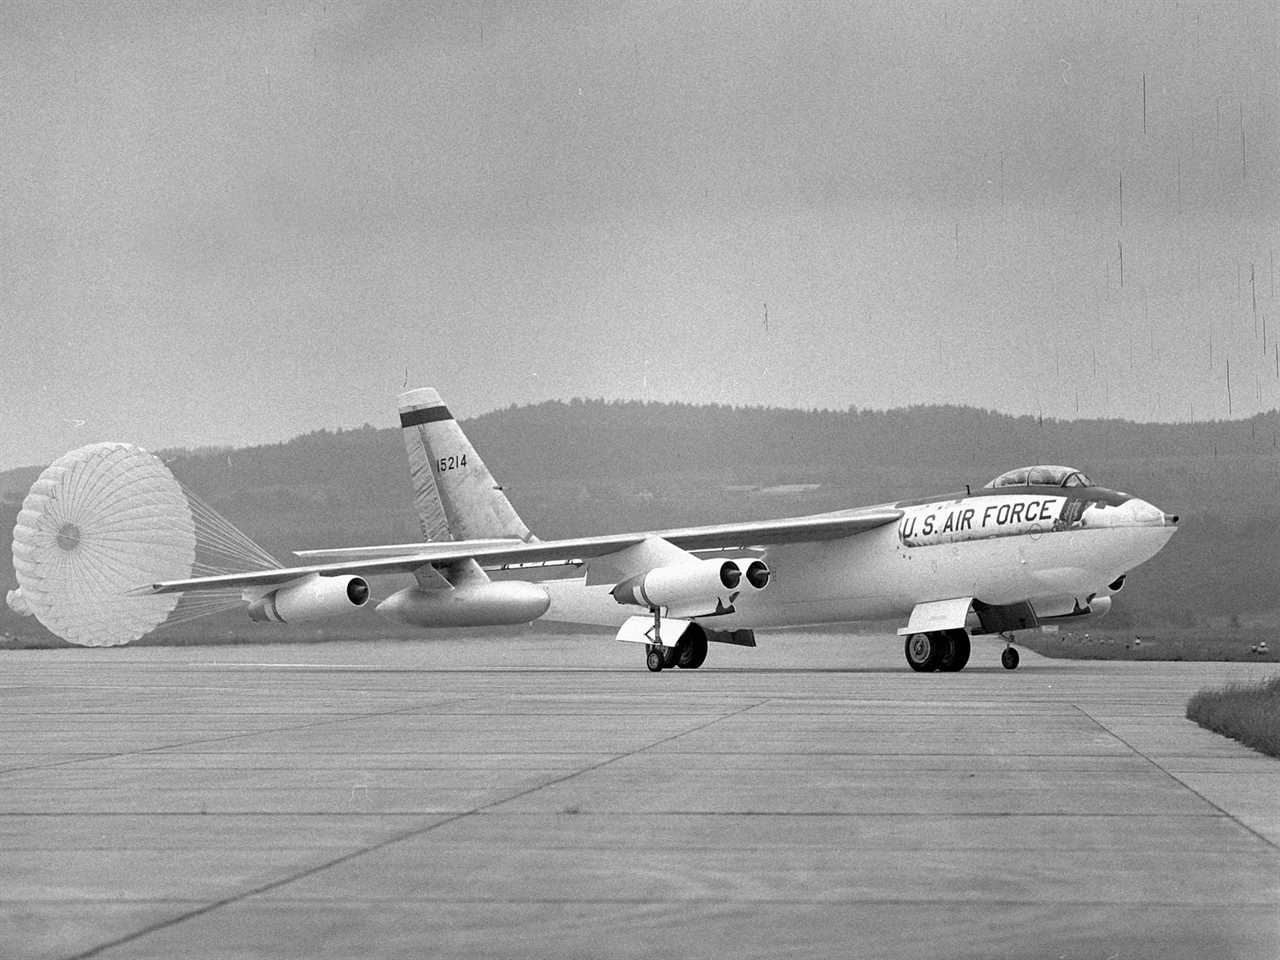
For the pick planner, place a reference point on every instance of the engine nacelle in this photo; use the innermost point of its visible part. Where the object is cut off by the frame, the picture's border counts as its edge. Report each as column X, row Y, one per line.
column 700, row 587
column 311, row 598
column 484, row 604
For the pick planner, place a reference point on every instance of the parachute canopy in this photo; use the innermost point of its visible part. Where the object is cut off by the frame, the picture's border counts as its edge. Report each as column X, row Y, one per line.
column 17, row 602
column 98, row 521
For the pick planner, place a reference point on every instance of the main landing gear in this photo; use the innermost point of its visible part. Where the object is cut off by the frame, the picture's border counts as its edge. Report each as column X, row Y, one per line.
column 688, row 653
column 946, row 650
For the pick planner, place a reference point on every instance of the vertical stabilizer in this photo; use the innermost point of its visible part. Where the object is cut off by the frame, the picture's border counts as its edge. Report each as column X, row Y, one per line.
column 454, row 493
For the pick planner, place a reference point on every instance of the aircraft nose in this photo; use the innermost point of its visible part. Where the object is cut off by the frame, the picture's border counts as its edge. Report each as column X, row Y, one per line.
column 1133, row 512
column 1140, row 513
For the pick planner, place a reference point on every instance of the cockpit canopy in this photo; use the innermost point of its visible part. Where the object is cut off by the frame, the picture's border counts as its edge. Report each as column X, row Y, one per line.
column 1042, row 476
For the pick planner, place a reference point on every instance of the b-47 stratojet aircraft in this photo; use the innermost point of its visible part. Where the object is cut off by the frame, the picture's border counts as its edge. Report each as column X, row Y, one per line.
column 1036, row 545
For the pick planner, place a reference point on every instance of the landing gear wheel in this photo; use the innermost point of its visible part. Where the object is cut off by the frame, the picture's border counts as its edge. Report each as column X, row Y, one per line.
column 956, row 653
column 654, row 659
column 1009, row 659
column 692, row 650
column 924, row 650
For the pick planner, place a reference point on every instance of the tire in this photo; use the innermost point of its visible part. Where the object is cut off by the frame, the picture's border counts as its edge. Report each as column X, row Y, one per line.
column 653, row 659
column 956, row 654
column 692, row 650
column 1009, row 659
column 923, row 651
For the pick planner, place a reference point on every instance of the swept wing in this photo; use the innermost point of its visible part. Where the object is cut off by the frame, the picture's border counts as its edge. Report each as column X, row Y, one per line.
column 382, row 560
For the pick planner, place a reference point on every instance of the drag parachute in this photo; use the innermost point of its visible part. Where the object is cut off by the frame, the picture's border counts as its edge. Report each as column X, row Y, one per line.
column 17, row 602
column 98, row 521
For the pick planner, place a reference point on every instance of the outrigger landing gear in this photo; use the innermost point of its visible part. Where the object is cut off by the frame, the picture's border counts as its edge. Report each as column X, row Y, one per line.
column 1009, row 658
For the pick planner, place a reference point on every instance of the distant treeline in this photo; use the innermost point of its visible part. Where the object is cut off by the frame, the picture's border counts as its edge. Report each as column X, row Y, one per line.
column 587, row 466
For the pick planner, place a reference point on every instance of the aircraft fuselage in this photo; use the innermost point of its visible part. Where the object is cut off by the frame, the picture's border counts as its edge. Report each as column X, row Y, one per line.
column 1053, row 546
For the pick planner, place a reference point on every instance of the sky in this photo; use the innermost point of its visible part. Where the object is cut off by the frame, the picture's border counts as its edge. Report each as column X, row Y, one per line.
column 231, row 223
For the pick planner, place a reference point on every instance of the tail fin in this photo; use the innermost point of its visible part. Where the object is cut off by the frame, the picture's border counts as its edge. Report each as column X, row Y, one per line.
column 453, row 491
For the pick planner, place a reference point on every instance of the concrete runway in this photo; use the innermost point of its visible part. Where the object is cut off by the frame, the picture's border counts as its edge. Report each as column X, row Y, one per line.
column 548, row 797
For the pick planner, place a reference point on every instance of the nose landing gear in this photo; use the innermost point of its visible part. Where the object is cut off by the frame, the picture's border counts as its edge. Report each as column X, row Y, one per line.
column 1009, row 658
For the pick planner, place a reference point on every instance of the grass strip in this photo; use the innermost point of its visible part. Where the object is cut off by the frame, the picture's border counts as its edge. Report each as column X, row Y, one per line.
column 1248, row 712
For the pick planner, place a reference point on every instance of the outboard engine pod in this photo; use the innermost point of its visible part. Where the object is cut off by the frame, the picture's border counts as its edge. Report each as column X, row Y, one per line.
column 311, row 598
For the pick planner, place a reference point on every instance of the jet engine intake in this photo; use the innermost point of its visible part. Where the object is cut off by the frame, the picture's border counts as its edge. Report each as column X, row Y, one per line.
column 490, row 603
column 311, row 598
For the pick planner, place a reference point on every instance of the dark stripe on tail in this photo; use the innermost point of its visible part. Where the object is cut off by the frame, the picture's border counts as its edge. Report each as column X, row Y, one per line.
column 412, row 418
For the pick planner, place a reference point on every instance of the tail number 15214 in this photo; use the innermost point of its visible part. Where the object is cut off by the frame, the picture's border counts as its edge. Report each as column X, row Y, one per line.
column 450, row 463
